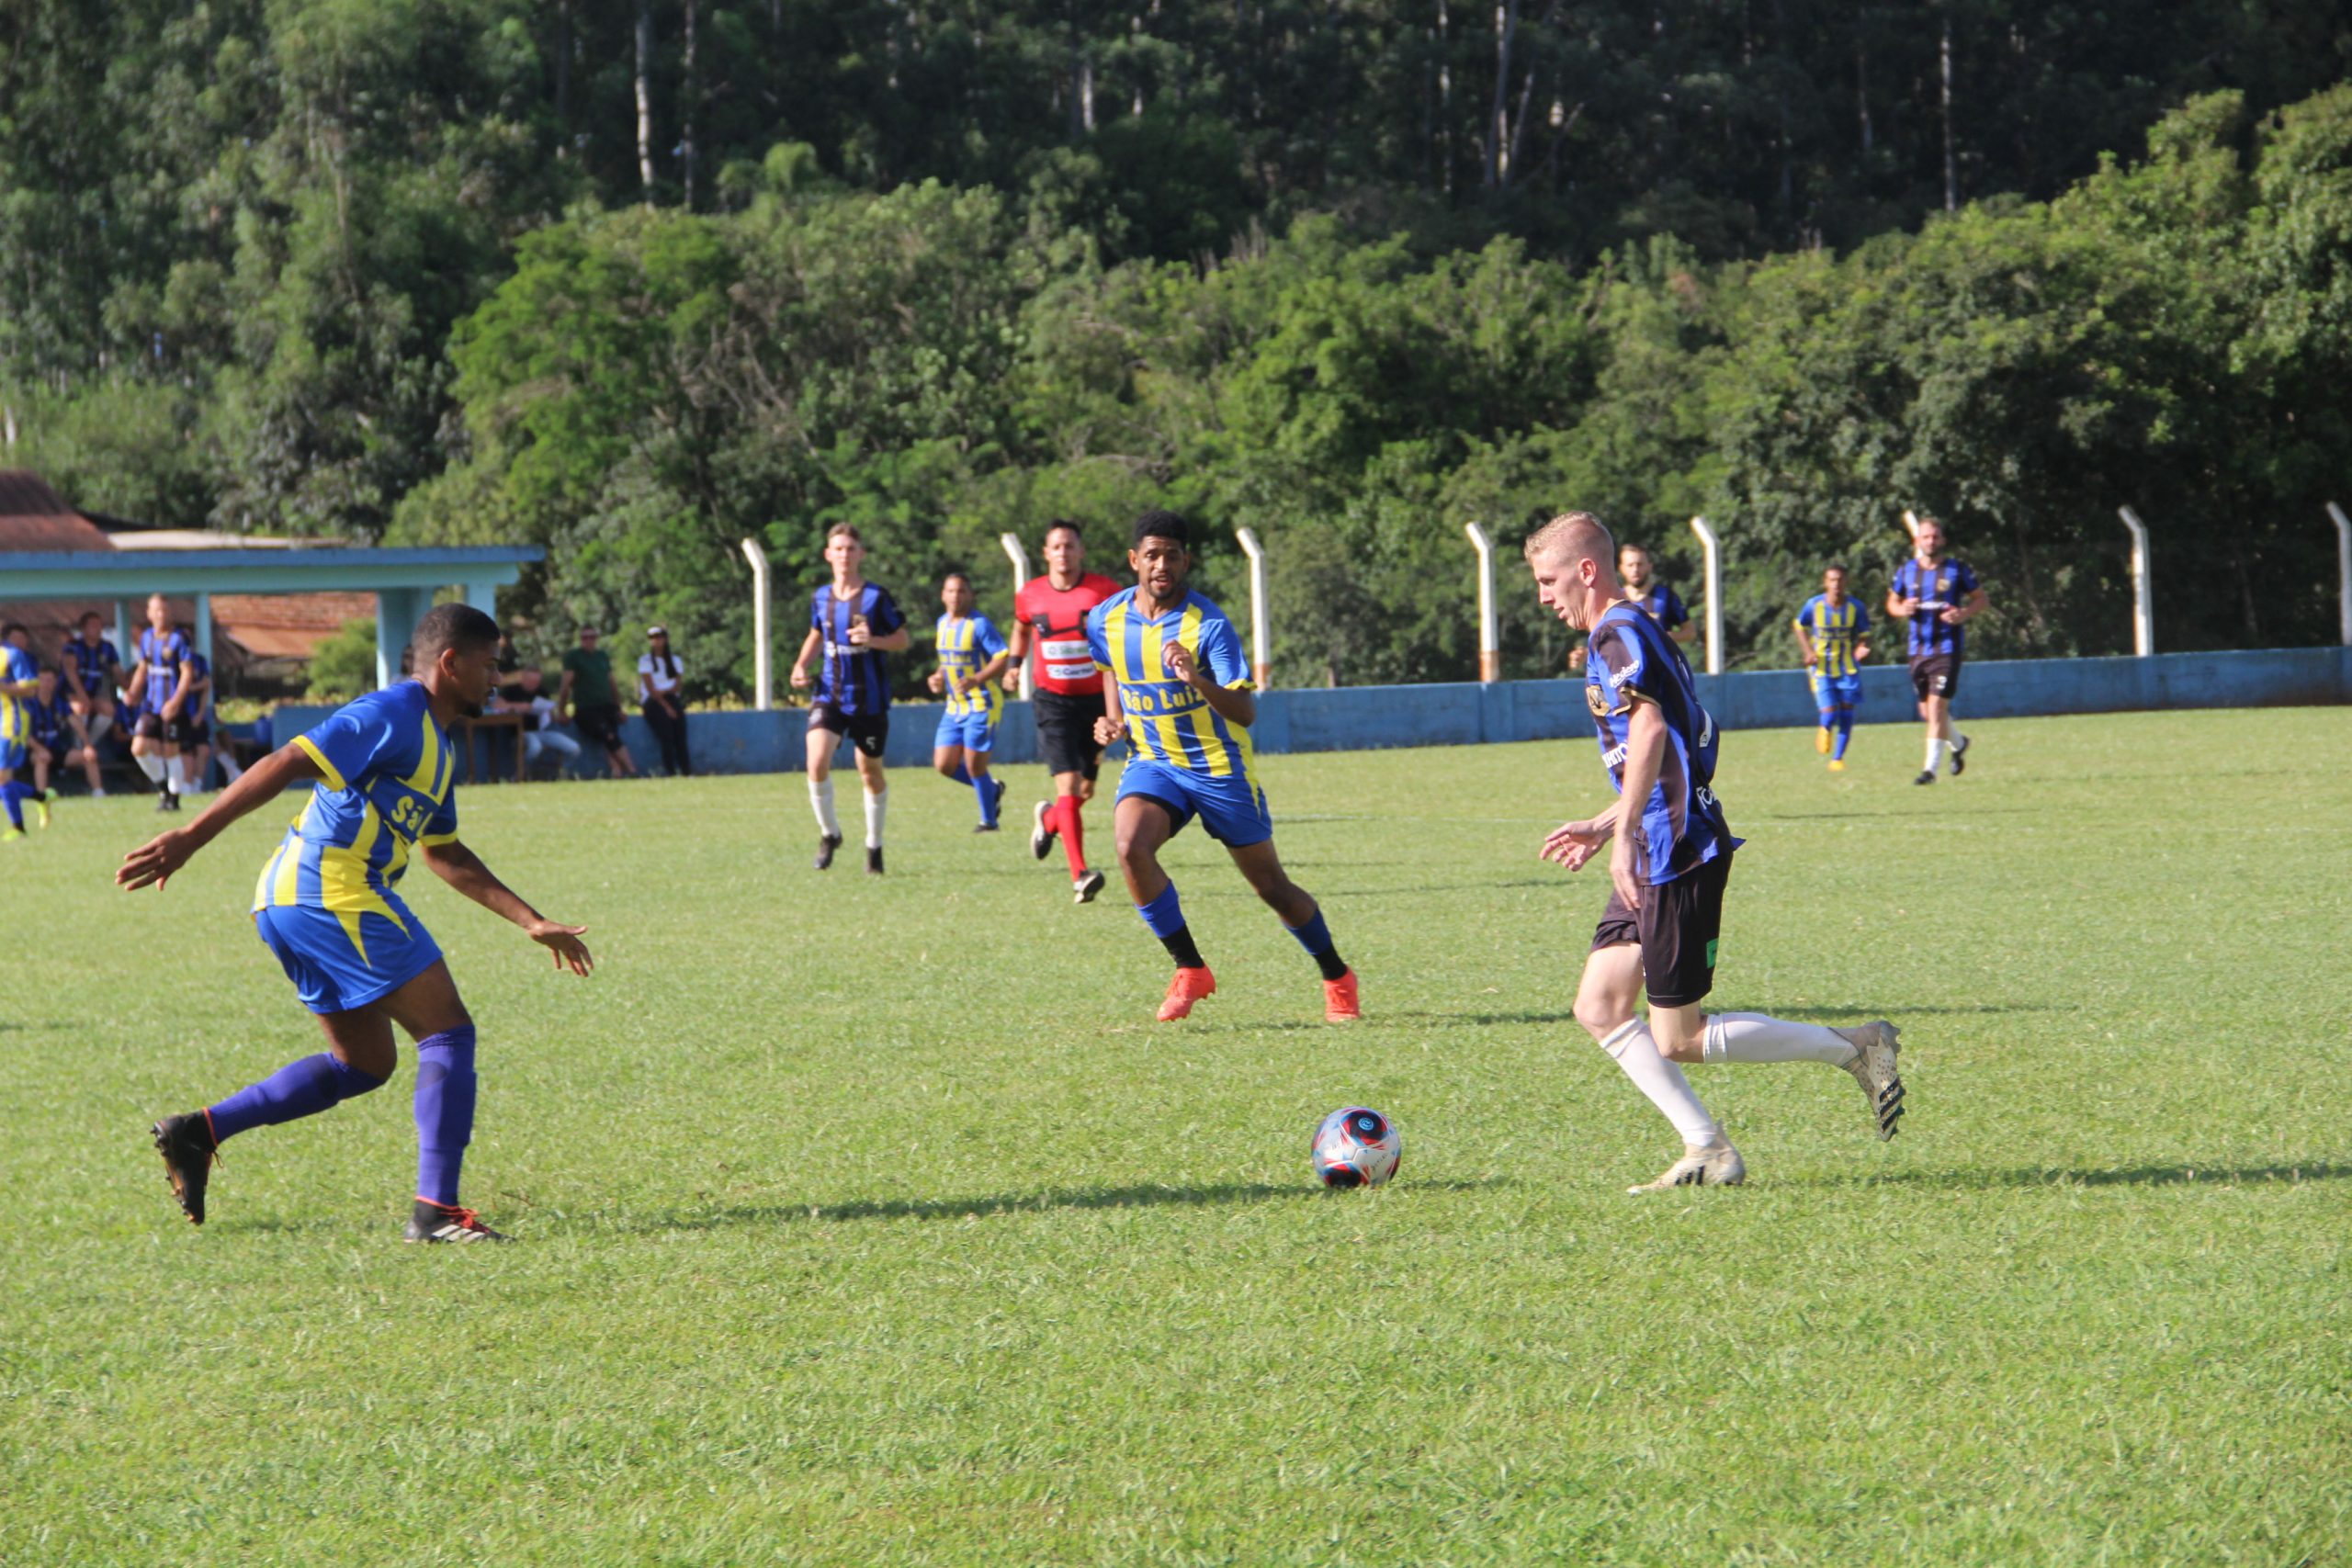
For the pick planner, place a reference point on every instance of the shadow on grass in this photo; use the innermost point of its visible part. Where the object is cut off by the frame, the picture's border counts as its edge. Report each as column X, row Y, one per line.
column 1909, row 1010
column 1133, row 1197
column 2130, row 1176
column 1372, row 1022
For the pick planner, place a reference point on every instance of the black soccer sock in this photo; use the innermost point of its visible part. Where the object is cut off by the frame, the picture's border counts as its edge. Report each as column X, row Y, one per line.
column 1181, row 948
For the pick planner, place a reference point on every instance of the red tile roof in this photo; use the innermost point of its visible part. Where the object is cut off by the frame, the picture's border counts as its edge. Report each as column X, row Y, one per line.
column 35, row 517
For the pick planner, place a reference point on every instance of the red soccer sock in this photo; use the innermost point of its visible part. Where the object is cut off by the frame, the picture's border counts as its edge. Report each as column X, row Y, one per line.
column 1065, row 814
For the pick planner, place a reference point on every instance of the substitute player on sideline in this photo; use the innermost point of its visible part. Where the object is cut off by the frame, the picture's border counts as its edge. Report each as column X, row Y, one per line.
column 1181, row 682
column 1051, row 611
column 1650, row 595
column 1667, row 872
column 1830, row 630
column 1938, row 597
column 852, row 623
column 971, row 657
column 327, row 905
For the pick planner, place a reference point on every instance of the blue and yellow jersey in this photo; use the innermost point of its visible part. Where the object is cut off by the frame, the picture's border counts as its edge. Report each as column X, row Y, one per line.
column 966, row 645
column 386, row 791
column 1167, row 721
column 1835, row 629
column 16, row 713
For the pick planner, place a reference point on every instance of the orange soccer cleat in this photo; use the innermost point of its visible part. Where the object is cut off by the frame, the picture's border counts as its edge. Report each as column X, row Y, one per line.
column 1339, row 1004
column 1186, row 988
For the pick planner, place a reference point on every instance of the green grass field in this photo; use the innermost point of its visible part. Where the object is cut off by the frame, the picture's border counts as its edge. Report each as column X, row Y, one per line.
column 875, row 1221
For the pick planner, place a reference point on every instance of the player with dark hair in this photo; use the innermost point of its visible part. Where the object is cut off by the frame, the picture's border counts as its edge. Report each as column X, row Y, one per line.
column 1939, row 597
column 1830, row 630
column 1179, row 687
column 972, row 654
column 852, row 623
column 327, row 905
column 1050, row 612
column 1668, row 870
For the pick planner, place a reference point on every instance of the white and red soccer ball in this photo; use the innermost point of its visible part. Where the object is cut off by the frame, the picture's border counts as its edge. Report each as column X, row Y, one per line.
column 1357, row 1147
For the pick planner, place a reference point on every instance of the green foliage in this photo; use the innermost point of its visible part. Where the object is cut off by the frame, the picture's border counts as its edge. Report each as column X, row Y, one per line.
column 345, row 665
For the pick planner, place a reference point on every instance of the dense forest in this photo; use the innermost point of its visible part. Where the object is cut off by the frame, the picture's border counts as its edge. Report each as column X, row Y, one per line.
column 637, row 279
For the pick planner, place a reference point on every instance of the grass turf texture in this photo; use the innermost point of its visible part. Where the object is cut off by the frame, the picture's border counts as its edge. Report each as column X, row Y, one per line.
column 875, row 1221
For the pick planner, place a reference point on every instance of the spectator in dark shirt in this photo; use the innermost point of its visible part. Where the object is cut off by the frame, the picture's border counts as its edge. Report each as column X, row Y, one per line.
column 595, row 710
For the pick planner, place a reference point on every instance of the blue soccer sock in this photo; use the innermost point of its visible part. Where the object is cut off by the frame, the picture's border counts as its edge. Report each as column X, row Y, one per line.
column 1316, row 937
column 13, row 795
column 961, row 776
column 297, row 1090
column 984, row 785
column 1845, row 732
column 444, row 1112
column 1165, row 917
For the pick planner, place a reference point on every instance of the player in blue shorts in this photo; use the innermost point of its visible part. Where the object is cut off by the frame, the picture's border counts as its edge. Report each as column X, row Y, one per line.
column 327, row 905
column 1830, row 630
column 972, row 655
column 1667, row 872
column 1179, row 691
column 20, row 684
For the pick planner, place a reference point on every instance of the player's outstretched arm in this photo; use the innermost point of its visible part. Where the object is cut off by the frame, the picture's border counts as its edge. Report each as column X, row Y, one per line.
column 462, row 869
column 159, row 857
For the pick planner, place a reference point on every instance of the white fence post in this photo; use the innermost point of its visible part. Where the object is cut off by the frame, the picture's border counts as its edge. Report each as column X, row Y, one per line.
column 1261, row 668
column 2144, row 613
column 1712, row 548
column 762, row 677
column 2343, row 569
column 1020, row 559
column 1490, row 654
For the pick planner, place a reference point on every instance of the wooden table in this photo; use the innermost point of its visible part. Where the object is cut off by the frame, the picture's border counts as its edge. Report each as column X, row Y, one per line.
column 516, row 720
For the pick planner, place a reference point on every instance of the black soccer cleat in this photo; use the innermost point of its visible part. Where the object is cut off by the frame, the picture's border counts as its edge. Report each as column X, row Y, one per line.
column 873, row 860
column 987, row 828
column 826, row 844
column 431, row 1222
column 166, row 801
column 186, row 1143
column 996, row 801
column 1926, row 776
column 1959, row 756
column 1083, row 891
column 1041, row 838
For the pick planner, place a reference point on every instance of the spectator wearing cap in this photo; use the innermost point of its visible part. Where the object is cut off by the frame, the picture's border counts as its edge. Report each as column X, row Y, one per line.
column 665, row 706
column 595, row 712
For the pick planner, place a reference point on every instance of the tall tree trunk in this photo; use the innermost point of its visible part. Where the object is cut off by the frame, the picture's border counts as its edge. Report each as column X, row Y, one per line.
column 1493, row 155
column 645, row 99
column 1863, row 80
column 1444, row 99
column 563, row 77
column 693, row 95
column 1951, row 163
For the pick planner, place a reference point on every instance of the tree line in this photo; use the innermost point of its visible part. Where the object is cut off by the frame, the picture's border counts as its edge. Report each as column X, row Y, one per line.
column 637, row 280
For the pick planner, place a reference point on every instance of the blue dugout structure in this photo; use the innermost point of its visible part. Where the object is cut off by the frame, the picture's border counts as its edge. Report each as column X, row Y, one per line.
column 1360, row 718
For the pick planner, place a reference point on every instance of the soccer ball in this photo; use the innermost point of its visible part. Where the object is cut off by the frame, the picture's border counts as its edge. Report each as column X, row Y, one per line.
column 1357, row 1147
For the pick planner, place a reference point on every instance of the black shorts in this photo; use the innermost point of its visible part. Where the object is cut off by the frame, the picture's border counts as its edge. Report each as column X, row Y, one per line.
column 1066, row 732
column 600, row 722
column 1937, row 675
column 869, row 732
column 1677, row 927
column 187, row 733
column 152, row 726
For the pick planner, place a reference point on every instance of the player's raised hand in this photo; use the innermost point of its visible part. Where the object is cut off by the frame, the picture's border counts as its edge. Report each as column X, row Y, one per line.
column 1571, row 844
column 563, row 941
column 153, row 861
column 1181, row 663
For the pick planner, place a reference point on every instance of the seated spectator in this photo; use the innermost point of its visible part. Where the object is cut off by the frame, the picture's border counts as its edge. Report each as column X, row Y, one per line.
column 597, row 710
column 665, row 706
column 540, row 733
column 52, row 716
column 93, row 669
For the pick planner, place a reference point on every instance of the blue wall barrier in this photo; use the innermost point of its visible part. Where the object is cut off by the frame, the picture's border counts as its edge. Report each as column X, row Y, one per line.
column 1363, row 717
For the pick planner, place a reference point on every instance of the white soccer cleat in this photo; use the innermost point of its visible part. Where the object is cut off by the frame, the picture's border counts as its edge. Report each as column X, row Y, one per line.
column 1717, row 1166
column 1876, row 1046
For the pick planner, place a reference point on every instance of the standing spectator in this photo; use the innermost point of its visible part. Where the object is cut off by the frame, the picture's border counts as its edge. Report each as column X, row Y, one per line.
column 595, row 712
column 664, row 704
column 93, row 669
column 194, row 732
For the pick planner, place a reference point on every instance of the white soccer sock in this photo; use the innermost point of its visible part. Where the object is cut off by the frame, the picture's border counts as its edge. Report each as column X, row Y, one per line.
column 821, row 800
column 875, row 805
column 229, row 769
column 1635, row 1050
column 1753, row 1037
column 151, row 765
column 1935, row 750
column 176, row 774
column 98, row 725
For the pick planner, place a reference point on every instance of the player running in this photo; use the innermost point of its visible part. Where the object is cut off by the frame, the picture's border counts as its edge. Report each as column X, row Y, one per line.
column 1667, row 875
column 852, row 623
column 1938, row 597
column 1181, row 686
column 1051, row 612
column 19, row 685
column 1650, row 595
column 359, row 959
column 1829, row 630
column 159, row 685
column 972, row 654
